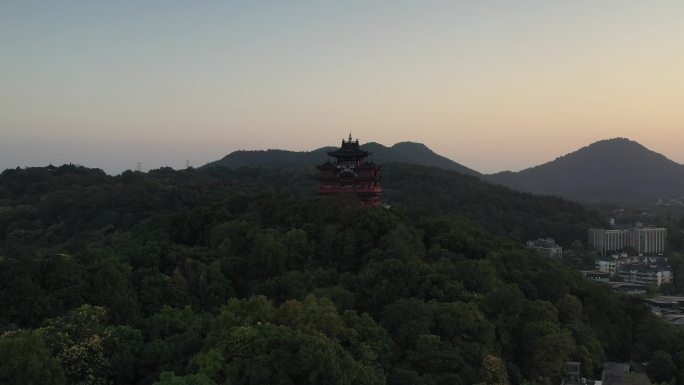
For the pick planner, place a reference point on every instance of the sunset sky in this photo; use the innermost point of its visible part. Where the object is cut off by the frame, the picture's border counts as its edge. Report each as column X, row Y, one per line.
column 494, row 85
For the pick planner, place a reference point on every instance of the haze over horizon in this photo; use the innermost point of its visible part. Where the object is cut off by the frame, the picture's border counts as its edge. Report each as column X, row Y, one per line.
column 498, row 86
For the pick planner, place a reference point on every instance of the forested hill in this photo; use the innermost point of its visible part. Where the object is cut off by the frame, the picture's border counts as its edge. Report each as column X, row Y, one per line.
column 208, row 277
column 404, row 152
column 615, row 170
column 500, row 210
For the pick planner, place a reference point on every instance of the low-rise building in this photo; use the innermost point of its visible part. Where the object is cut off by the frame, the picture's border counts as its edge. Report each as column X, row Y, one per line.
column 615, row 373
column 597, row 276
column 669, row 307
column 666, row 303
column 674, row 319
column 628, row 288
column 609, row 264
column 646, row 273
column 636, row 268
column 573, row 374
column 546, row 246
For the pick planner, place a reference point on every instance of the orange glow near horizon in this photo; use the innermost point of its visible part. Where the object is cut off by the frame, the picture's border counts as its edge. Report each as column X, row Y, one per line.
column 496, row 86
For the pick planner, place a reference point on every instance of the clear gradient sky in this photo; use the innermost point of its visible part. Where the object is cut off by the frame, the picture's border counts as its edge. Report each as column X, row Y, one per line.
column 494, row 85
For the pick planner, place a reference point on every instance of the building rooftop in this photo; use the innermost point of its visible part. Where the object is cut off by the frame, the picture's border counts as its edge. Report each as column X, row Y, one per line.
column 595, row 273
column 614, row 373
column 674, row 317
column 643, row 268
column 627, row 285
column 666, row 300
column 349, row 149
column 542, row 242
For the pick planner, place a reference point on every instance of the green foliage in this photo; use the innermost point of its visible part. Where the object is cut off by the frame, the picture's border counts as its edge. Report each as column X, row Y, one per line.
column 25, row 360
column 638, row 379
column 494, row 371
column 123, row 347
column 661, row 367
column 297, row 342
column 218, row 276
column 500, row 210
column 170, row 378
column 77, row 340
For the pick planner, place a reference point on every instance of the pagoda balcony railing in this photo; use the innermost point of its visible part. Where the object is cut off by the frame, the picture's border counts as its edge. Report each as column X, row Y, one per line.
column 357, row 189
column 325, row 178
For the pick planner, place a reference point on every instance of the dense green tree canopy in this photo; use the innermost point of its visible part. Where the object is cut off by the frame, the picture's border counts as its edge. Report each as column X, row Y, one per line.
column 246, row 277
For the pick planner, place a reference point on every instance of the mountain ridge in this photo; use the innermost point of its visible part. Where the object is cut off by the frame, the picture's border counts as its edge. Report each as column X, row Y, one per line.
column 609, row 170
column 616, row 169
column 401, row 152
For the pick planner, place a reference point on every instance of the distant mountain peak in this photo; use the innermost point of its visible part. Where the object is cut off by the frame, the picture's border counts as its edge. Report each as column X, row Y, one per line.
column 617, row 139
column 410, row 144
column 617, row 169
column 616, row 142
column 620, row 150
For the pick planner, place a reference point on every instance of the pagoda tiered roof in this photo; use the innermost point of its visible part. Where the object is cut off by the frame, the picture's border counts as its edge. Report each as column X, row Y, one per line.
column 349, row 173
column 349, row 149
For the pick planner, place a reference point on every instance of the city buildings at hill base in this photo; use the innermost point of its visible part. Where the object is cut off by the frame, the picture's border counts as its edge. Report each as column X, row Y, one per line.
column 646, row 270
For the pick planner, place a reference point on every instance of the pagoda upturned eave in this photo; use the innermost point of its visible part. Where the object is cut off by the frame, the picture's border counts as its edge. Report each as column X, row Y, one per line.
column 350, row 150
column 358, row 153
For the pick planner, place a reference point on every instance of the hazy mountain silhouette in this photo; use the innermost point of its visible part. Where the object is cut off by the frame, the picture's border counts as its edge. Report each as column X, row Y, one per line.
column 618, row 170
column 404, row 152
column 609, row 170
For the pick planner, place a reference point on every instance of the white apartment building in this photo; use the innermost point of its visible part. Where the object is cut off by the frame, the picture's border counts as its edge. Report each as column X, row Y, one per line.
column 646, row 274
column 649, row 240
column 645, row 240
column 610, row 264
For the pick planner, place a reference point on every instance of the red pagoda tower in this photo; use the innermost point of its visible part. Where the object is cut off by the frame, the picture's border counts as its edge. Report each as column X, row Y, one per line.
column 351, row 173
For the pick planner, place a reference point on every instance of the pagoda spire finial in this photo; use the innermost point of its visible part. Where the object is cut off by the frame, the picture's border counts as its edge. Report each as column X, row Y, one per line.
column 350, row 137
